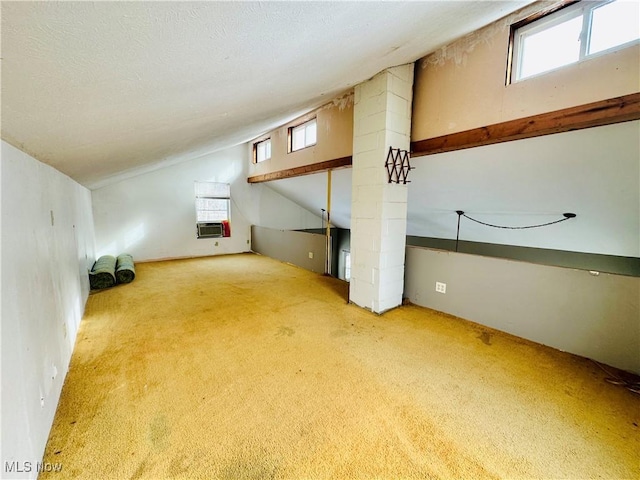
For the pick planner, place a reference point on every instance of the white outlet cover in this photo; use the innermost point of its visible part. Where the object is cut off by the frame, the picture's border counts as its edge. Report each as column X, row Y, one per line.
column 441, row 287
column 310, row 254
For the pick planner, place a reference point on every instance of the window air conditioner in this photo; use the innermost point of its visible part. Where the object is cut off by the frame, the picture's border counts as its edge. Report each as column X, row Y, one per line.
column 207, row 230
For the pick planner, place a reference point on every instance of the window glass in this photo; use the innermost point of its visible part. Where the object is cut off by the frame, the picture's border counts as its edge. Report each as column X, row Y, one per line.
column 551, row 48
column 572, row 34
column 298, row 138
column 262, row 150
column 310, row 133
column 212, row 209
column 303, row 135
column 614, row 24
column 212, row 201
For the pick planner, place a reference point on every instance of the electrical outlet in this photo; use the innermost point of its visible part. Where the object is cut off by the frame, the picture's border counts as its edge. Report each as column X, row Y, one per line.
column 441, row 287
column 310, row 254
column 216, row 244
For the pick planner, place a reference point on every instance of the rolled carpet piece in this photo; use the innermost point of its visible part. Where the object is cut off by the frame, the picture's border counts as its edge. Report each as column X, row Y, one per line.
column 103, row 273
column 125, row 271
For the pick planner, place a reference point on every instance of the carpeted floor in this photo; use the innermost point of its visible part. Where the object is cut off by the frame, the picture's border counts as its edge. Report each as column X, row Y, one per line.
column 241, row 367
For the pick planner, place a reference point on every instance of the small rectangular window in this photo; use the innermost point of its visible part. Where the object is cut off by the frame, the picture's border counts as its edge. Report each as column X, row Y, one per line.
column 571, row 34
column 262, row 151
column 613, row 24
column 302, row 136
column 213, row 201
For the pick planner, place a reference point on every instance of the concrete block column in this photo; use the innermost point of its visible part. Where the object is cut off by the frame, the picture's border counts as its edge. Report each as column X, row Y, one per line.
column 381, row 119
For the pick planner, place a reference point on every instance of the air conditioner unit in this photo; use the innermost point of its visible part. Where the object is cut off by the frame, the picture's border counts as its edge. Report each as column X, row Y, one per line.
column 208, row 230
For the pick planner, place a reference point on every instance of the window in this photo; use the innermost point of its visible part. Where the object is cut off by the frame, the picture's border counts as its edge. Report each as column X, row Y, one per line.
column 302, row 136
column 262, row 151
column 212, row 207
column 613, row 24
column 571, row 34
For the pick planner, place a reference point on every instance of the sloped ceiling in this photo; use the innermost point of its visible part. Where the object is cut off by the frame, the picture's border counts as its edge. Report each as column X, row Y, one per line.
column 105, row 90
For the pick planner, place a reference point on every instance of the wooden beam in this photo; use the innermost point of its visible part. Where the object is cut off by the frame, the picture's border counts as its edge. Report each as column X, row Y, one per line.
column 604, row 112
column 304, row 170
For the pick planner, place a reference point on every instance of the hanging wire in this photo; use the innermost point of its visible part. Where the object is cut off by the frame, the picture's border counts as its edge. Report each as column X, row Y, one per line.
column 566, row 216
column 461, row 213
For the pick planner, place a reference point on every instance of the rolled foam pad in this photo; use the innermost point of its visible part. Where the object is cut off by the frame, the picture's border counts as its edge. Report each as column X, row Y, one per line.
column 103, row 273
column 125, row 271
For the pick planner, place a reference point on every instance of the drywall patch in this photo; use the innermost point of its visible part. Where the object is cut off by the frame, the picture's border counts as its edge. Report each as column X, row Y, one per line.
column 458, row 51
column 342, row 102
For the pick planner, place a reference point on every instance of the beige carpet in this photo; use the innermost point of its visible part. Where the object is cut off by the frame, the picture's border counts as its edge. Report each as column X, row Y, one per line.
column 242, row 367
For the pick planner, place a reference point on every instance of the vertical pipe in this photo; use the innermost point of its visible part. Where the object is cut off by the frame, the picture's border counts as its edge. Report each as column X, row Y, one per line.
column 460, row 213
column 327, row 268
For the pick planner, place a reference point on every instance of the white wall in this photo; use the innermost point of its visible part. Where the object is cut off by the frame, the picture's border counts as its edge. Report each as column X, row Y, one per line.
column 594, row 316
column 44, row 290
column 310, row 191
column 594, row 173
column 152, row 216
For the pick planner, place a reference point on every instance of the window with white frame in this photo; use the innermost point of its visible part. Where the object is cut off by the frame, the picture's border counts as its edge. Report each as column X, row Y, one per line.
column 262, row 151
column 303, row 135
column 572, row 34
column 213, row 201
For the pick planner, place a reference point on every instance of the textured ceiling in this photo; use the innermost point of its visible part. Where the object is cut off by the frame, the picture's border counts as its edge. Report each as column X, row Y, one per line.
column 106, row 90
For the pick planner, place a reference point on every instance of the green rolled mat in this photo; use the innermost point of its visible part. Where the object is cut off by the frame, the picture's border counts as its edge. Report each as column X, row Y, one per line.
column 125, row 272
column 103, row 275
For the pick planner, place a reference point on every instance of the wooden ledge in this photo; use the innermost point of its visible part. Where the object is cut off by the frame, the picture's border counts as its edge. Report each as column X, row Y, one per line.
column 304, row 170
column 604, row 112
